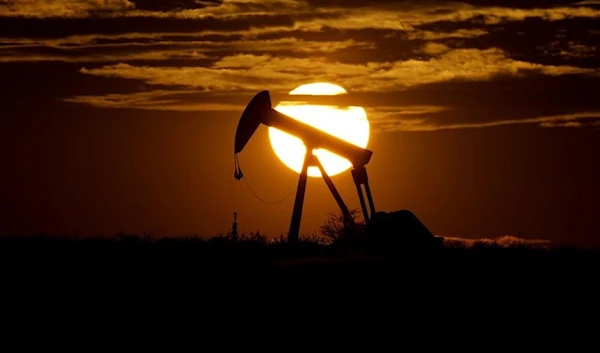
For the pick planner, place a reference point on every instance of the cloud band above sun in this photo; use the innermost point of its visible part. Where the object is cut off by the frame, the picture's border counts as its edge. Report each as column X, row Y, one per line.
column 389, row 49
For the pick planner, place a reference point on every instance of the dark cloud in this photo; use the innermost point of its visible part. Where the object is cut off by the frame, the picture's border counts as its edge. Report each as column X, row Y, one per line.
column 529, row 4
column 533, row 40
column 407, row 4
column 170, row 100
column 171, row 5
column 432, row 56
column 46, row 83
column 152, row 37
column 204, row 51
column 564, row 102
column 472, row 104
column 58, row 27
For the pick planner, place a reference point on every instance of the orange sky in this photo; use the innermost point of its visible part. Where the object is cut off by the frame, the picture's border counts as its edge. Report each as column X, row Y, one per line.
column 120, row 115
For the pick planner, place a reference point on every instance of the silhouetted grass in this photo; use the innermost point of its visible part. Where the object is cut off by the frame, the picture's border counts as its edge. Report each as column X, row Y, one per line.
column 254, row 251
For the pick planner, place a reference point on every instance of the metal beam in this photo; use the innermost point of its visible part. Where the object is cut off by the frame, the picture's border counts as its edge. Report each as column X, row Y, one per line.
column 294, row 232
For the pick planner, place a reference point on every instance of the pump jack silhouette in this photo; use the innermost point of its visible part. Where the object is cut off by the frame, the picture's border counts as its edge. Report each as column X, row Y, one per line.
column 259, row 111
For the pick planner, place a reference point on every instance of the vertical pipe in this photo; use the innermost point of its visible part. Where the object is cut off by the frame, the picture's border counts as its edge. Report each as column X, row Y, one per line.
column 370, row 198
column 361, row 197
column 294, row 232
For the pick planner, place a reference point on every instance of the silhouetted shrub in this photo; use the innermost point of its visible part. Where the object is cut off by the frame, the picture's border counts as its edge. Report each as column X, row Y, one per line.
column 335, row 230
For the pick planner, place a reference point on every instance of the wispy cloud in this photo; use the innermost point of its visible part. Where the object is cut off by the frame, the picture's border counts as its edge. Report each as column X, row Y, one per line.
column 383, row 15
column 114, row 8
column 235, row 46
column 98, row 38
column 460, row 33
column 62, row 8
column 251, row 20
column 160, row 50
column 565, row 120
column 380, row 17
column 403, row 118
column 205, row 40
column 562, row 124
column 188, row 100
column 148, row 55
column 569, row 49
column 284, row 73
column 409, row 18
column 577, row 50
column 407, row 118
column 434, row 48
column 154, row 100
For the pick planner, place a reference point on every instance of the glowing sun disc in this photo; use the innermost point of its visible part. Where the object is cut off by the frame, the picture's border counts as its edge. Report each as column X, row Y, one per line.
column 348, row 123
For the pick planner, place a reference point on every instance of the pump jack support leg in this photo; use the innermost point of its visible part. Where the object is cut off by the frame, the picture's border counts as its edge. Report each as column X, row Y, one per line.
column 336, row 195
column 363, row 206
column 370, row 198
column 299, row 202
column 359, row 175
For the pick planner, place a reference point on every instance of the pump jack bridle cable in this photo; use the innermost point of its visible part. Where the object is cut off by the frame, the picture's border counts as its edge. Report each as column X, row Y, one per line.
column 239, row 175
column 266, row 201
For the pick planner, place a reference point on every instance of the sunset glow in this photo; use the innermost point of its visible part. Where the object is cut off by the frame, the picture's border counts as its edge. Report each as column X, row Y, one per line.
column 348, row 123
column 119, row 116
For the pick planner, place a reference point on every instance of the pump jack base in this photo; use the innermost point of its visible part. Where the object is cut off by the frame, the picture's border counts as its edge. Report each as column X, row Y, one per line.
column 399, row 232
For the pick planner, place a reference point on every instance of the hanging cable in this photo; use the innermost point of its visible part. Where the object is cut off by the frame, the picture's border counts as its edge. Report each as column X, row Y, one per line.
column 239, row 175
column 266, row 201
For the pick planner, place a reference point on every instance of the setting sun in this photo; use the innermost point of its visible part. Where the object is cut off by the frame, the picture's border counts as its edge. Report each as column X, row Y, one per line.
column 348, row 123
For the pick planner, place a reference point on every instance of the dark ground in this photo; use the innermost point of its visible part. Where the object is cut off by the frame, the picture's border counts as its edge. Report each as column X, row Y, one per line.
column 97, row 279
column 131, row 261
column 111, row 288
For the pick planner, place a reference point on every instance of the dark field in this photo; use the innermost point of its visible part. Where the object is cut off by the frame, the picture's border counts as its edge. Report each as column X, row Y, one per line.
column 190, row 277
column 119, row 284
column 132, row 260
